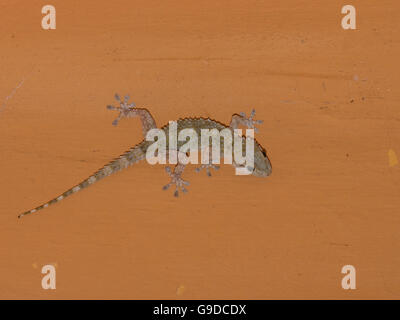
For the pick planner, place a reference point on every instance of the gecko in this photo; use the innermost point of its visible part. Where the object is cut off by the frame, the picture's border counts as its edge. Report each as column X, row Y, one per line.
column 262, row 164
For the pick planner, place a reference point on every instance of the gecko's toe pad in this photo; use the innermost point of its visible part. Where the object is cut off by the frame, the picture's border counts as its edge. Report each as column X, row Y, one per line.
column 207, row 167
column 249, row 121
column 177, row 181
column 125, row 109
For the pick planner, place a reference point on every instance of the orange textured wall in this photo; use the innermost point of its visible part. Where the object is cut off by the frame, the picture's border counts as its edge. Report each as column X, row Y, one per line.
column 329, row 99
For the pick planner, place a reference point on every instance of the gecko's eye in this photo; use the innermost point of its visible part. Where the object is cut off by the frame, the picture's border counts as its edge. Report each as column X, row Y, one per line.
column 264, row 153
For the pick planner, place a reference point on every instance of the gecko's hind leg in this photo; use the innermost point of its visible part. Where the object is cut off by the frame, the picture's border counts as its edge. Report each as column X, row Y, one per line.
column 176, row 179
column 241, row 119
column 129, row 110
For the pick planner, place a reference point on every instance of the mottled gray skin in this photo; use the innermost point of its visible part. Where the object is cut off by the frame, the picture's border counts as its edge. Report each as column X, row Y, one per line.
column 262, row 165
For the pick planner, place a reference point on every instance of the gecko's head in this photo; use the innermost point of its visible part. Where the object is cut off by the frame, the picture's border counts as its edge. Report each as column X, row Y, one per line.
column 262, row 165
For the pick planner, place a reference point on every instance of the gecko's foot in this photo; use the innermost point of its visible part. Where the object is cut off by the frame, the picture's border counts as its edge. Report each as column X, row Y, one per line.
column 124, row 108
column 250, row 122
column 207, row 167
column 177, row 181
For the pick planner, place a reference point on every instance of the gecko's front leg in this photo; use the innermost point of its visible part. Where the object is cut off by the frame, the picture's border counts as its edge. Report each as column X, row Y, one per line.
column 241, row 119
column 176, row 179
column 129, row 110
column 209, row 165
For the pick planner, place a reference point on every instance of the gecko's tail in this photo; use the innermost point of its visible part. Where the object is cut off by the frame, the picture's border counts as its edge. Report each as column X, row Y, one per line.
column 130, row 157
